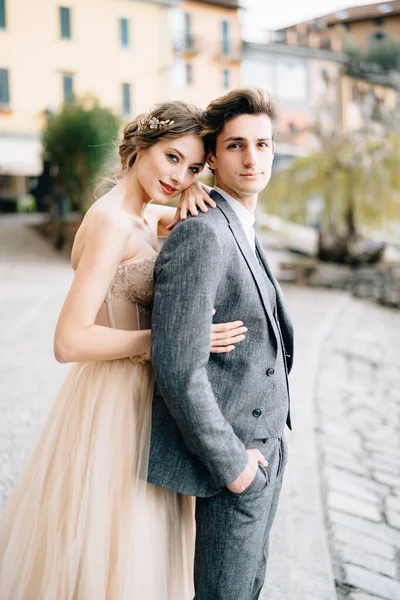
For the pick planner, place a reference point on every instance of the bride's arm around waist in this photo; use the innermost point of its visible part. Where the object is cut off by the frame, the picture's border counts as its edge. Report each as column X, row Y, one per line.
column 77, row 338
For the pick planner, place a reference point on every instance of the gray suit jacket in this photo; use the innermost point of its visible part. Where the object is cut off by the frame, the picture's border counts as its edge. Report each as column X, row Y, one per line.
column 203, row 408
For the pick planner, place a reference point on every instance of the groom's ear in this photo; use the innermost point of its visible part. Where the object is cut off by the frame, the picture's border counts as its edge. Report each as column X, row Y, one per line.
column 211, row 160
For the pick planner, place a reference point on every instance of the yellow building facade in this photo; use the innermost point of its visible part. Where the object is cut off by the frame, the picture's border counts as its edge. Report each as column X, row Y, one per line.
column 207, row 46
column 129, row 54
column 116, row 50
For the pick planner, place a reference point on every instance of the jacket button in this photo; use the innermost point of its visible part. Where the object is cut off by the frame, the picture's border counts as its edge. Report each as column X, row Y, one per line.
column 257, row 412
column 270, row 372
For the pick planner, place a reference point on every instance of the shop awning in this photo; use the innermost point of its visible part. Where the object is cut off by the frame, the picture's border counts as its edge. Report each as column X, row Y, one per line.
column 20, row 155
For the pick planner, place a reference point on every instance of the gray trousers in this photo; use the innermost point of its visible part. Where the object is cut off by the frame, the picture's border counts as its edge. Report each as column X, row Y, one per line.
column 232, row 532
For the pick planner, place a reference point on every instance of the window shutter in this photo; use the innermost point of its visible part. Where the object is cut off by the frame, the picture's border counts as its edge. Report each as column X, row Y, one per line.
column 124, row 32
column 65, row 21
column 2, row 14
column 126, row 98
column 4, row 89
column 225, row 38
column 68, row 88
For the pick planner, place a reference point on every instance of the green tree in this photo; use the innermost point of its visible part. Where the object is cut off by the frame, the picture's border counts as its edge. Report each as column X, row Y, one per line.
column 357, row 178
column 384, row 54
column 78, row 141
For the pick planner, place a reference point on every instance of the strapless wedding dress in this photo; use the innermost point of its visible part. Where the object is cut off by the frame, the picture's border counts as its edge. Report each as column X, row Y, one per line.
column 82, row 522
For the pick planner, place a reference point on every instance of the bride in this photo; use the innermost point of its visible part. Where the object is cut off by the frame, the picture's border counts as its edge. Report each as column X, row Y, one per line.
column 82, row 523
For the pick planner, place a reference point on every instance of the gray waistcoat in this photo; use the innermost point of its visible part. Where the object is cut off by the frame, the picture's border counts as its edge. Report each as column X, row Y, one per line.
column 277, row 402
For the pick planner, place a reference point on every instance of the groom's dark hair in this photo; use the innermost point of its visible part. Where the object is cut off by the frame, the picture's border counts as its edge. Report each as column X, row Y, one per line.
column 240, row 101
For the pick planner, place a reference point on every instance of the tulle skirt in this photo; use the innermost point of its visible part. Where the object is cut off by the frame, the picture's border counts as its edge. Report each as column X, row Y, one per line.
column 82, row 522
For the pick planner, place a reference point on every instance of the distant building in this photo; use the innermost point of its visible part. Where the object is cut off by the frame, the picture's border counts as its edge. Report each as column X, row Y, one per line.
column 359, row 25
column 367, row 103
column 305, row 83
column 207, row 47
column 317, row 84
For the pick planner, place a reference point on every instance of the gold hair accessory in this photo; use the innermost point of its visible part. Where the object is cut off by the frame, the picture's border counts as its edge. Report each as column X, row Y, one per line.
column 151, row 122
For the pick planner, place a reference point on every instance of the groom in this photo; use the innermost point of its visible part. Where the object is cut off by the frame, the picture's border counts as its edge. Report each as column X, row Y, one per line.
column 218, row 419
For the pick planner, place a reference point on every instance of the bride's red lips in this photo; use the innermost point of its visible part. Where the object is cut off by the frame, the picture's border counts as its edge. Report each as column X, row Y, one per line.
column 168, row 189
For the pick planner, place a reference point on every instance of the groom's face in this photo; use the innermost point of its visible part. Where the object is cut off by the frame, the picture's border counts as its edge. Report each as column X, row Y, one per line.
column 244, row 154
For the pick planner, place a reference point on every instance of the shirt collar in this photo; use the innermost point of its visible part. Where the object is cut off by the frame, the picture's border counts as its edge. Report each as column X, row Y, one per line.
column 246, row 218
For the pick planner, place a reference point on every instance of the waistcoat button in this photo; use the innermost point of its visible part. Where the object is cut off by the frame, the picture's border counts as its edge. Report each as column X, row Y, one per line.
column 257, row 412
column 270, row 372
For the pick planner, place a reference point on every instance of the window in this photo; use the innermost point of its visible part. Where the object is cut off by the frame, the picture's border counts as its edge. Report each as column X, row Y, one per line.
column 4, row 89
column 189, row 73
column 124, row 32
column 325, row 76
column 177, row 22
column 225, row 38
column 378, row 21
column 182, row 73
column 226, row 79
column 65, row 23
column 188, row 31
column 278, row 36
column 5, row 183
column 179, row 74
column 355, row 93
column 378, row 36
column 2, row 14
column 126, row 99
column 291, row 77
column 258, row 73
column 385, row 8
column 68, row 88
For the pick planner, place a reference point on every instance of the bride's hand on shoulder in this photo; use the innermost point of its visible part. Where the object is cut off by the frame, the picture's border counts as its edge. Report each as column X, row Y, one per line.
column 194, row 198
column 224, row 336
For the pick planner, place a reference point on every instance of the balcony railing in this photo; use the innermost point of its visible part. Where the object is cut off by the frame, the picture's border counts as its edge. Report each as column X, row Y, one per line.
column 187, row 45
column 229, row 50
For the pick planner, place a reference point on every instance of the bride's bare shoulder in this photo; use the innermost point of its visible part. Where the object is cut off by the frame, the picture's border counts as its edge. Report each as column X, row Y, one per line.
column 106, row 216
column 103, row 223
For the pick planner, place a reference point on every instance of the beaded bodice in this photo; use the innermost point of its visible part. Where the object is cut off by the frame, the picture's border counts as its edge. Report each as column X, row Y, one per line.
column 130, row 296
column 133, row 282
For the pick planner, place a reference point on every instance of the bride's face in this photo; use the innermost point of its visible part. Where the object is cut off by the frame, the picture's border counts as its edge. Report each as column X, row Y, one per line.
column 170, row 167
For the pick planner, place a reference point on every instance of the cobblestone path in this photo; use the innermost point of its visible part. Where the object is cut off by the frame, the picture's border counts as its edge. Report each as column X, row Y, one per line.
column 358, row 402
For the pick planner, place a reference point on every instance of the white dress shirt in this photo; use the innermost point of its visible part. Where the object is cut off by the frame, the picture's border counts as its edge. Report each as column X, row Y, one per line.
column 246, row 218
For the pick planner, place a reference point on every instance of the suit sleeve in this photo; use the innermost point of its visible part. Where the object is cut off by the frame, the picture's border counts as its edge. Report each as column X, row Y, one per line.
column 188, row 272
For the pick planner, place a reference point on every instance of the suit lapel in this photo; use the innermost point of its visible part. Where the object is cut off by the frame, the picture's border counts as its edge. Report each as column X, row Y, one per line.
column 279, row 294
column 249, row 256
column 284, row 319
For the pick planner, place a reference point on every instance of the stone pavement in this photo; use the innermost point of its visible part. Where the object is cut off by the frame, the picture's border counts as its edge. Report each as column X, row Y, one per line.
column 358, row 404
column 34, row 281
column 33, row 284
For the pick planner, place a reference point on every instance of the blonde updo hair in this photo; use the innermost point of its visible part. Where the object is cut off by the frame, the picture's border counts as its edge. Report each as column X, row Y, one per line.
column 177, row 120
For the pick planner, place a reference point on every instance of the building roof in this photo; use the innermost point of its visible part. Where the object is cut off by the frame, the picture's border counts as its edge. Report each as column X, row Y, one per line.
column 355, row 13
column 251, row 48
column 222, row 3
